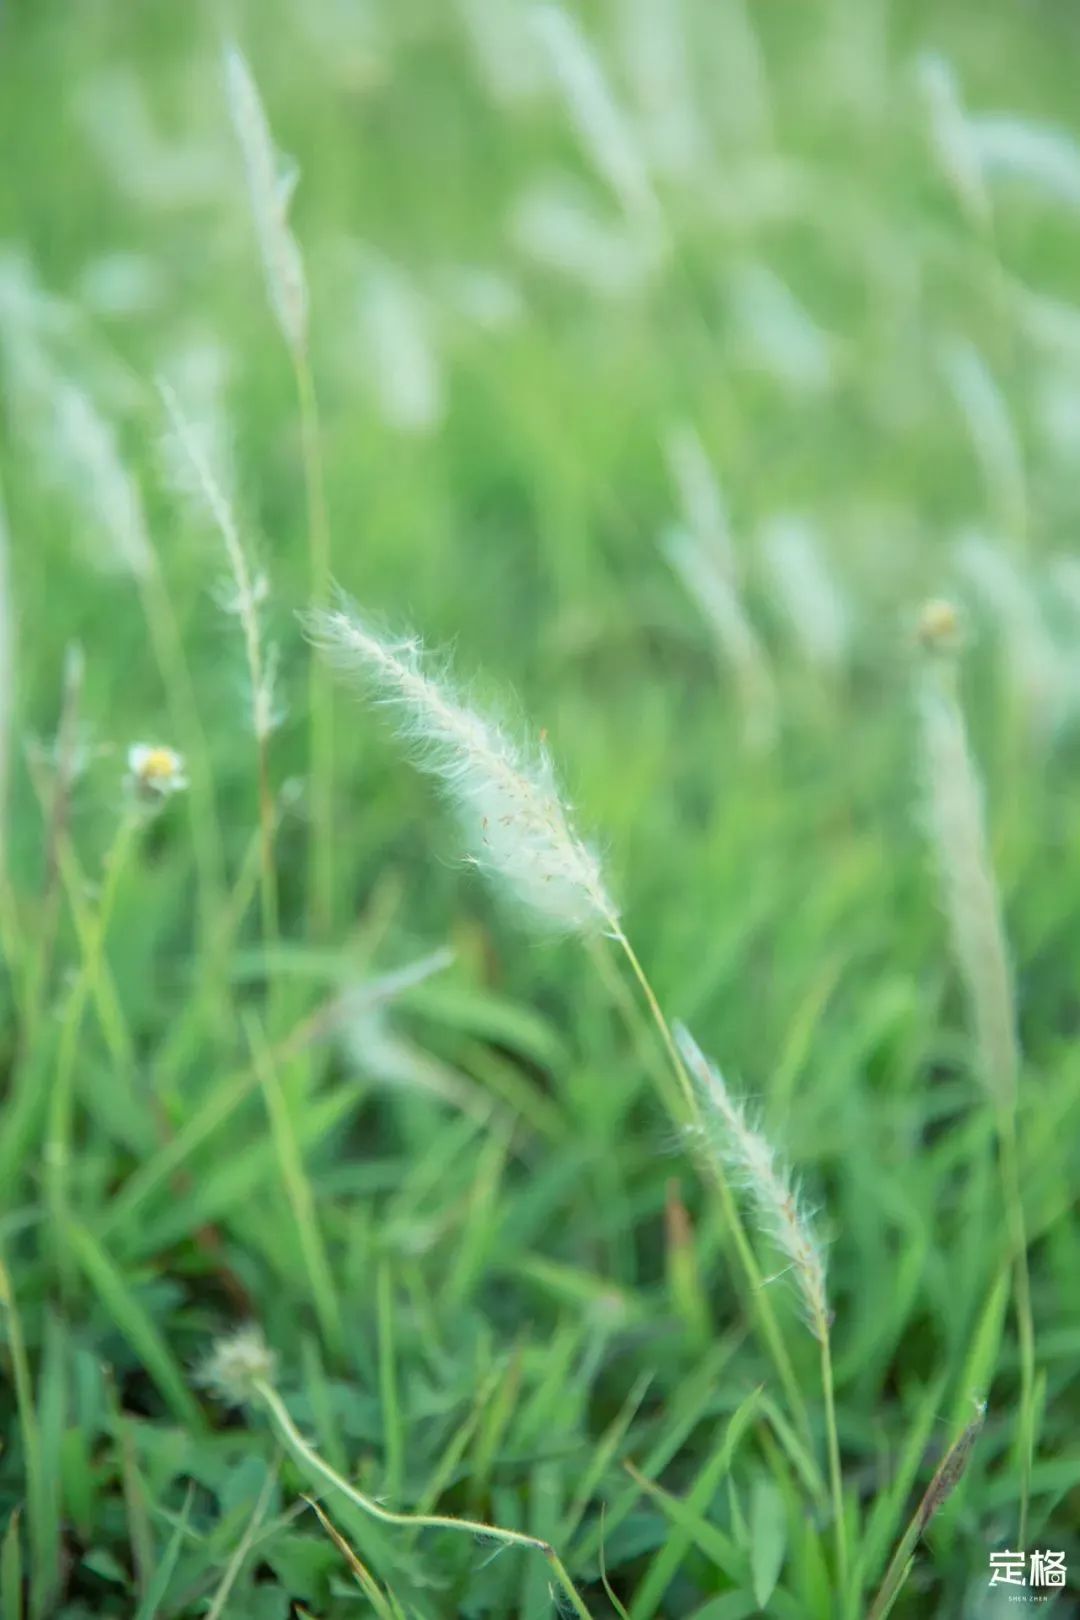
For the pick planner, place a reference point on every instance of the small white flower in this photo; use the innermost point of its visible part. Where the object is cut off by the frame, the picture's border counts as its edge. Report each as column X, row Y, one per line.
column 237, row 1365
column 156, row 772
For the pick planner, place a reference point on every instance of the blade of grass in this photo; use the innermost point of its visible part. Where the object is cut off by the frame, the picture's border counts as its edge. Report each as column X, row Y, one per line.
column 135, row 1325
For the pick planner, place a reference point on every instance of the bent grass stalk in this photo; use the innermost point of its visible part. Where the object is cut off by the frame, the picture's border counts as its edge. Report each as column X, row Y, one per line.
column 57, row 1156
column 310, row 1459
column 727, row 1130
column 270, row 185
column 258, row 664
column 110, row 1016
column 523, row 835
column 692, row 1116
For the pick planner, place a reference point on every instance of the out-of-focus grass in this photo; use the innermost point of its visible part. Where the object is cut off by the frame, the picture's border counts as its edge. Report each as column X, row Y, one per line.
column 493, row 1284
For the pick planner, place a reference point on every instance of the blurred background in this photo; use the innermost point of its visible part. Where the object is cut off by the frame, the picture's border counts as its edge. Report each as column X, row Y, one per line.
column 668, row 355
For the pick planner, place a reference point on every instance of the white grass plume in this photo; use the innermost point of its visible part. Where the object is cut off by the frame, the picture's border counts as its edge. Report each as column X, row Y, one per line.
column 752, row 1159
column 807, row 590
column 656, row 52
column 115, row 116
column 199, row 370
column 480, row 296
column 247, row 587
column 85, row 462
column 701, row 501
column 556, row 224
column 777, row 334
column 1037, row 157
column 516, row 820
column 1035, row 665
column 710, row 585
column 951, row 133
column 400, row 357
column 270, row 185
column 956, row 829
column 504, row 49
column 603, row 129
column 732, row 61
column 991, row 431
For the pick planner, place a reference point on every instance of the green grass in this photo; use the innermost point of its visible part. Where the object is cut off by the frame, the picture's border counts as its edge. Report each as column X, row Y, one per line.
column 498, row 1286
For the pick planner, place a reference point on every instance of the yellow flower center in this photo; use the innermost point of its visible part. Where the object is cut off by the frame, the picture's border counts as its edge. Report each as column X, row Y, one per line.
column 159, row 765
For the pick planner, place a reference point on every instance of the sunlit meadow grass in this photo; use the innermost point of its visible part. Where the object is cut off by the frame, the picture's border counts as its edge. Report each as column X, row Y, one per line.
column 374, row 1238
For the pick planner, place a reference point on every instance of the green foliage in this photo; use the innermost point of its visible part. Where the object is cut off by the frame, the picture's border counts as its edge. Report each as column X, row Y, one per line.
column 238, row 1081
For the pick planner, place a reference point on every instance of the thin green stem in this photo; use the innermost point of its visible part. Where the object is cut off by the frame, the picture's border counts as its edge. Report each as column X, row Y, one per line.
column 244, row 1545
column 836, row 1478
column 62, row 1092
column 44, row 1528
column 414, row 1521
column 320, row 685
column 1008, row 1158
column 298, row 1192
column 688, row 1112
column 663, row 1027
column 268, row 894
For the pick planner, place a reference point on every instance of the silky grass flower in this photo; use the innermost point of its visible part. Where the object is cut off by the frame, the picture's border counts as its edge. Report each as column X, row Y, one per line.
column 518, row 825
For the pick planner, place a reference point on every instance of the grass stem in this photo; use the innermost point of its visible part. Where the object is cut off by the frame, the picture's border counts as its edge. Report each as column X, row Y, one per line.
column 320, row 684
column 1008, row 1159
column 310, row 1459
column 689, row 1113
column 836, row 1478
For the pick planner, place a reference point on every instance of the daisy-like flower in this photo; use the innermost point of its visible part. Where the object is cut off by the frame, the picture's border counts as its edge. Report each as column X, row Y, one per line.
column 939, row 628
column 155, row 772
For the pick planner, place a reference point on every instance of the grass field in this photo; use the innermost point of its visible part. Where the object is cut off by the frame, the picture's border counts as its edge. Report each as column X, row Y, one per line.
column 654, row 363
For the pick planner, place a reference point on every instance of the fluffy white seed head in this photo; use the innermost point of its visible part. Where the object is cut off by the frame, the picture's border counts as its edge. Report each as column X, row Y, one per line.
column 237, row 1365
column 769, row 1183
column 247, row 587
column 86, row 463
column 517, row 823
column 603, row 129
column 270, row 183
column 957, row 834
